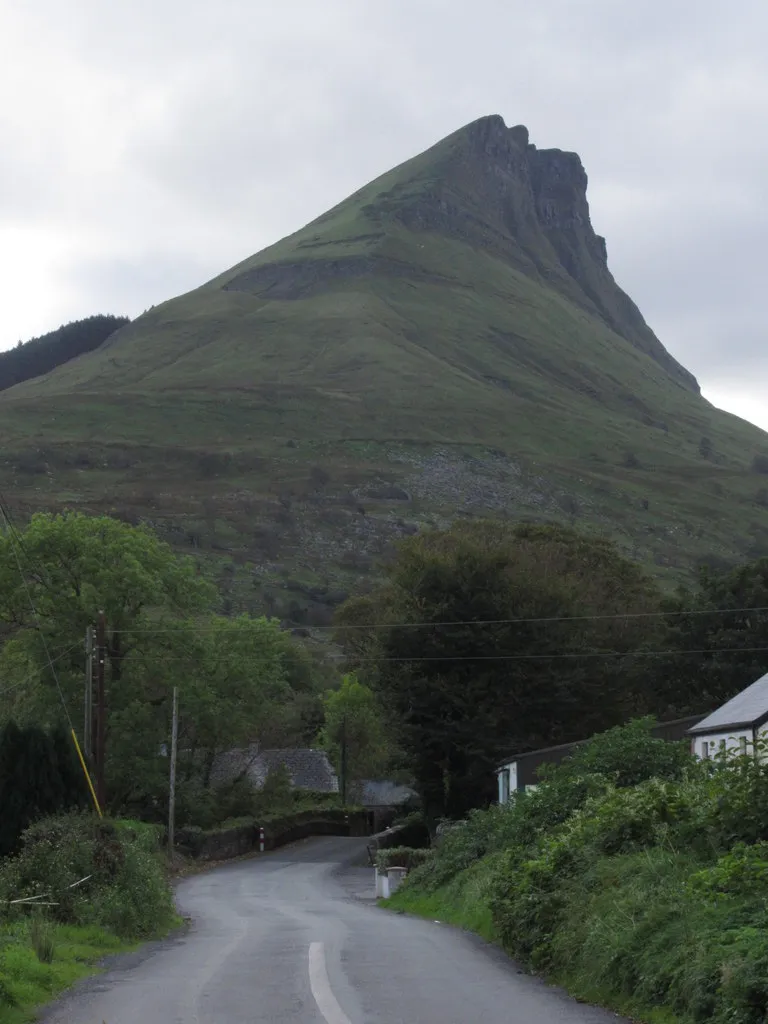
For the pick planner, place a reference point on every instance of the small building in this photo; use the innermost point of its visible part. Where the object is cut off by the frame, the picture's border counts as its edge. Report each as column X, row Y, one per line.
column 382, row 799
column 307, row 768
column 519, row 773
column 737, row 726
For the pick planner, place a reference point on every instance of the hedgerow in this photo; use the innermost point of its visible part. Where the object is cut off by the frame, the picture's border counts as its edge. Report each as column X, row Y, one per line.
column 634, row 874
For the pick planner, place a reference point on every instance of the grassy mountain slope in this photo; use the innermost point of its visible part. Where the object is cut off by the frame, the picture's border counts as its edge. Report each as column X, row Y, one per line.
column 447, row 341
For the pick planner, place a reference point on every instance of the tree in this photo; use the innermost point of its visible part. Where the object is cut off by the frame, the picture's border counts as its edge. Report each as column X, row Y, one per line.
column 354, row 732
column 240, row 680
column 76, row 566
column 41, row 355
column 501, row 638
column 718, row 645
column 38, row 776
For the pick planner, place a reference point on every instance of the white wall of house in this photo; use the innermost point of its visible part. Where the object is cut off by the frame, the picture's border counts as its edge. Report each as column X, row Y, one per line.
column 507, row 776
column 738, row 741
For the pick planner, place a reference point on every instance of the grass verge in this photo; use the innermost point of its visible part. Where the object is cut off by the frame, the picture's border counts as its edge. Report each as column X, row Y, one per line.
column 463, row 902
column 26, row 983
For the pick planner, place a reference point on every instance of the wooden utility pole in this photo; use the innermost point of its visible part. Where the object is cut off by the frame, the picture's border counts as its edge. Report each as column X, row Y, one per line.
column 172, row 795
column 344, row 761
column 88, row 725
column 101, row 712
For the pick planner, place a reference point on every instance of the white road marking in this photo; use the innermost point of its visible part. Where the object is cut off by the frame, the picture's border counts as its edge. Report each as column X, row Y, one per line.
column 321, row 987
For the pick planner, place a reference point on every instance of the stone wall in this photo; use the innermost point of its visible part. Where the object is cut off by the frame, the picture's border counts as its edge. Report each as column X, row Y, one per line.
column 222, row 844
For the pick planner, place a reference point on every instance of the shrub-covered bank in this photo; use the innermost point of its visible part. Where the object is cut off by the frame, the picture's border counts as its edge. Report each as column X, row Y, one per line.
column 123, row 897
column 634, row 875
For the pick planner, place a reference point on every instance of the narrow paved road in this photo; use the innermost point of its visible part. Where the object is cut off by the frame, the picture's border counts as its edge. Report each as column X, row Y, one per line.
column 295, row 936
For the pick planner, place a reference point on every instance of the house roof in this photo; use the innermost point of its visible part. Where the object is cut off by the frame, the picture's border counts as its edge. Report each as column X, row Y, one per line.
column 676, row 729
column 308, row 769
column 747, row 709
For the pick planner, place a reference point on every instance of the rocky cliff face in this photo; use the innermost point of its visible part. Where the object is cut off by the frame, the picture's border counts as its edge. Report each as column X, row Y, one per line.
column 486, row 185
column 494, row 188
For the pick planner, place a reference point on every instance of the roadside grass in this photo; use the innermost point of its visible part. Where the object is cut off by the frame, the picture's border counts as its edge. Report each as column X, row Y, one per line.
column 42, row 952
column 26, row 983
column 592, row 943
column 463, row 902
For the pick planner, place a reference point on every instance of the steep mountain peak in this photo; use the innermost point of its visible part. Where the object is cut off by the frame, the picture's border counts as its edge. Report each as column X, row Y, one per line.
column 489, row 185
column 447, row 341
column 486, row 187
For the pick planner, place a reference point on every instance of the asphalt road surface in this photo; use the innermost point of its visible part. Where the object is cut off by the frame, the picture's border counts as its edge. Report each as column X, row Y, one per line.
column 295, row 937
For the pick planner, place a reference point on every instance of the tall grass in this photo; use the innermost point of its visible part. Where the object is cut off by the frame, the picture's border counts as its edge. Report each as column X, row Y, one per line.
column 42, row 938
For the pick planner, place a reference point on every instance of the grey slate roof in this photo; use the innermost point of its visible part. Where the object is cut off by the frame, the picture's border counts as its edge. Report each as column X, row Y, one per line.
column 748, row 708
column 309, row 769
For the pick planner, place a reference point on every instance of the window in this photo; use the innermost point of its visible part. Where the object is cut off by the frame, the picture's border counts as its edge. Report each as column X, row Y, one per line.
column 705, row 750
column 743, row 744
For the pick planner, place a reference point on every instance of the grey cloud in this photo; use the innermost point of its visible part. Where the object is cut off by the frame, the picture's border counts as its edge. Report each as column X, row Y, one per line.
column 118, row 285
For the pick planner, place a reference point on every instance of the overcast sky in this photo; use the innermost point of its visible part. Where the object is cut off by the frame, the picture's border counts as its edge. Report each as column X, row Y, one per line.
column 146, row 146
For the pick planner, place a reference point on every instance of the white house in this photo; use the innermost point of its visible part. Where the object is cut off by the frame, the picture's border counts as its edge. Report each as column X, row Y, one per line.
column 737, row 726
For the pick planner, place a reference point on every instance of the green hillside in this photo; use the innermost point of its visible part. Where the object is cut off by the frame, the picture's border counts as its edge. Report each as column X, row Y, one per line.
column 447, row 341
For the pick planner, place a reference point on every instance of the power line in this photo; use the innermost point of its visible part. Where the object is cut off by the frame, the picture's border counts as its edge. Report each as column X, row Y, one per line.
column 489, row 657
column 473, row 622
column 32, row 677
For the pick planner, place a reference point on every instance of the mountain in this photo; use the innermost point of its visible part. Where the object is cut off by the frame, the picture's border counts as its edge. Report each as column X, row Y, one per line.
column 448, row 341
column 40, row 355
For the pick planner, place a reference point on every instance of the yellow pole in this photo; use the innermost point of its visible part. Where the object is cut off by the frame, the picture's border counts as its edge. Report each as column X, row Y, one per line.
column 87, row 776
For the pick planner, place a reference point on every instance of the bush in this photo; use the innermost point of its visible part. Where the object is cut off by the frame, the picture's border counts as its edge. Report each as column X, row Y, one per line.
column 100, row 874
column 634, row 874
column 741, row 872
column 402, row 857
column 629, row 754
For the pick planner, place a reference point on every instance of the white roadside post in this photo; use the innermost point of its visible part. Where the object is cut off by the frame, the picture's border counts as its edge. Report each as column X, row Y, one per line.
column 395, row 876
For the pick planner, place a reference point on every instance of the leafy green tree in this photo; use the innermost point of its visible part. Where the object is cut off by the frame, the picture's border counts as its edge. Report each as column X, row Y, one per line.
column 717, row 647
column 501, row 638
column 235, row 677
column 239, row 681
column 74, row 566
column 354, row 732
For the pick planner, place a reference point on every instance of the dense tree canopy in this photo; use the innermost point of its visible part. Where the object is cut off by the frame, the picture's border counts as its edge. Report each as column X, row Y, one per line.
column 41, row 355
column 39, row 775
column 239, row 680
column 502, row 638
column 718, row 637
